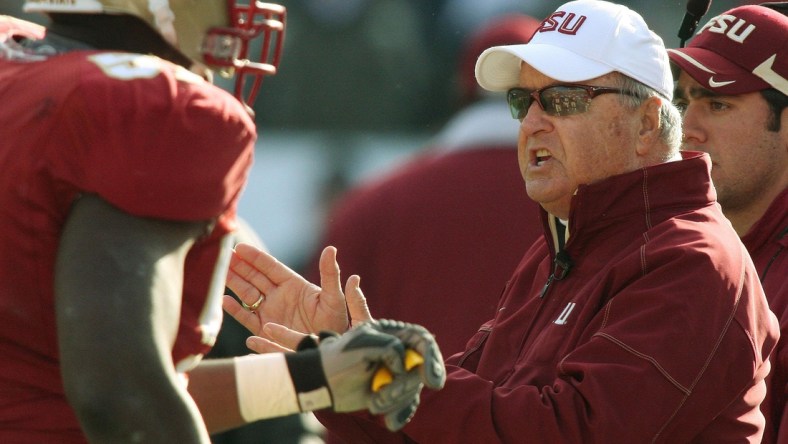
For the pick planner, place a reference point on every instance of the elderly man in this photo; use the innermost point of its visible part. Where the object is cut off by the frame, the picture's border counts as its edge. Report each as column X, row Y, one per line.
column 638, row 317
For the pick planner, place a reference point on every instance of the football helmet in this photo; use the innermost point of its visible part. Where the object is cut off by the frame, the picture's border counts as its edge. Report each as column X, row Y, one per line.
column 234, row 37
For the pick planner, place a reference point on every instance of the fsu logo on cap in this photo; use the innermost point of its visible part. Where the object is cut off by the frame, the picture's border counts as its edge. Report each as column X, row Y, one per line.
column 740, row 51
column 736, row 29
column 562, row 22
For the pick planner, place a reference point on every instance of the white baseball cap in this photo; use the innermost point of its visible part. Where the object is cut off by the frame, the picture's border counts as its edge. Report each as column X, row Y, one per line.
column 582, row 40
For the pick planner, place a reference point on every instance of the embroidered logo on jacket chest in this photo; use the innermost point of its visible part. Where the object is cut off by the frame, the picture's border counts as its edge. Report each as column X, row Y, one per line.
column 562, row 318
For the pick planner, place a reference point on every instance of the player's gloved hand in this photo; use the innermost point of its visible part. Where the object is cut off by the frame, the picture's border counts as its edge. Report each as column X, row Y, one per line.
column 337, row 372
column 431, row 369
column 424, row 366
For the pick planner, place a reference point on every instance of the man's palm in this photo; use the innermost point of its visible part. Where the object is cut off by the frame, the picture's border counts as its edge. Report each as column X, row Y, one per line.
column 289, row 299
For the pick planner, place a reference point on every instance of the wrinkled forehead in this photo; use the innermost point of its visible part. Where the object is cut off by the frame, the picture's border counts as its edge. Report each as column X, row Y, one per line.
column 531, row 77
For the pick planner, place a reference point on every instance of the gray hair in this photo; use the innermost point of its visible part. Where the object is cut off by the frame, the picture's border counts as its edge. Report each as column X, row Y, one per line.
column 669, row 116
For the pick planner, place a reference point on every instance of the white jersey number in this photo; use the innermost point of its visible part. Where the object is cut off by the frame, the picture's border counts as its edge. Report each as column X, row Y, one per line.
column 124, row 66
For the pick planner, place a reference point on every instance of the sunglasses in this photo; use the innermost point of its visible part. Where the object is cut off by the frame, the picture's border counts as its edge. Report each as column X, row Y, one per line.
column 556, row 100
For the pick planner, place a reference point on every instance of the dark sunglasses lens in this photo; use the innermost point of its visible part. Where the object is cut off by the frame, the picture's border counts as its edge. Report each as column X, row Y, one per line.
column 519, row 101
column 565, row 100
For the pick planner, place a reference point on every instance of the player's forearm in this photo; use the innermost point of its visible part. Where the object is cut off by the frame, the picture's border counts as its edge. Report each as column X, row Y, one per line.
column 212, row 386
column 265, row 390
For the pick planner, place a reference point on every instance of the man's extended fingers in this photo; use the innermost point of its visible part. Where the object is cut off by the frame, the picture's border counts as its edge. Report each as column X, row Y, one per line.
column 263, row 345
column 275, row 271
column 329, row 271
column 356, row 302
column 240, row 314
column 282, row 335
column 242, row 263
column 246, row 281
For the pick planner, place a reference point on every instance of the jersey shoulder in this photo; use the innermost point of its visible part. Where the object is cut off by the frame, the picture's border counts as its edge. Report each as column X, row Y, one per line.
column 158, row 131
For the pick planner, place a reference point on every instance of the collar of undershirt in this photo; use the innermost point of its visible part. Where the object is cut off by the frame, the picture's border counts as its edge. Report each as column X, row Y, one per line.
column 559, row 229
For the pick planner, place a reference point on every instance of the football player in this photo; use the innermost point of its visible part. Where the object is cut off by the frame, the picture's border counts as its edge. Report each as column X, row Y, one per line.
column 122, row 168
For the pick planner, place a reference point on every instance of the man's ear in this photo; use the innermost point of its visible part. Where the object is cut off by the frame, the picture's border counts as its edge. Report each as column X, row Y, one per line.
column 648, row 133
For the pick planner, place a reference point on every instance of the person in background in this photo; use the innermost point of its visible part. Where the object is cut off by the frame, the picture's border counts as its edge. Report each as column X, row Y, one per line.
column 638, row 317
column 122, row 167
column 733, row 90
column 452, row 218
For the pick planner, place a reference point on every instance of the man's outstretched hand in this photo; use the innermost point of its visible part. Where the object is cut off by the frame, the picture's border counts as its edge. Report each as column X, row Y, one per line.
column 272, row 292
column 279, row 306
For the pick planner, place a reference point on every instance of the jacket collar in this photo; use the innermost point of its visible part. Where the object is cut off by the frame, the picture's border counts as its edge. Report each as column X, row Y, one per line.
column 640, row 196
column 771, row 227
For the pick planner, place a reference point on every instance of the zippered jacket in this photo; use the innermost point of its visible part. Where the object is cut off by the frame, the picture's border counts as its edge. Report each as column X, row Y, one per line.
column 649, row 326
column 767, row 242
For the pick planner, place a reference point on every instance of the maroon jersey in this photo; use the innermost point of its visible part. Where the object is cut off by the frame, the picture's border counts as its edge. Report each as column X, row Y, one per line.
column 148, row 137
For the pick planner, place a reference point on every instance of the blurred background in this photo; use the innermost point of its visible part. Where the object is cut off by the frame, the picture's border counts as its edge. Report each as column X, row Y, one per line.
column 362, row 85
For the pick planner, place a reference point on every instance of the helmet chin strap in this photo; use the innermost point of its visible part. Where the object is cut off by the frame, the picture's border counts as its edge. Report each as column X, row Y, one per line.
column 164, row 19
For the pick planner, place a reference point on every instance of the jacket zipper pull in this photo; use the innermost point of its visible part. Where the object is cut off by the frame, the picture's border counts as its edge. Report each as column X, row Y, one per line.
column 561, row 266
column 546, row 286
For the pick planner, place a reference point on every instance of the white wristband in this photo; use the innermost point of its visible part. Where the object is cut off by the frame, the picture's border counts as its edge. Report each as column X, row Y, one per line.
column 264, row 387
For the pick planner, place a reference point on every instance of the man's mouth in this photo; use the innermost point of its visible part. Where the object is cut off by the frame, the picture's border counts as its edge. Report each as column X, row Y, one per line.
column 542, row 156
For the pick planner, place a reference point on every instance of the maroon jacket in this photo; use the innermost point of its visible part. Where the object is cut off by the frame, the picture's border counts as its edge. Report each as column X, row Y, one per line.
column 767, row 242
column 652, row 328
